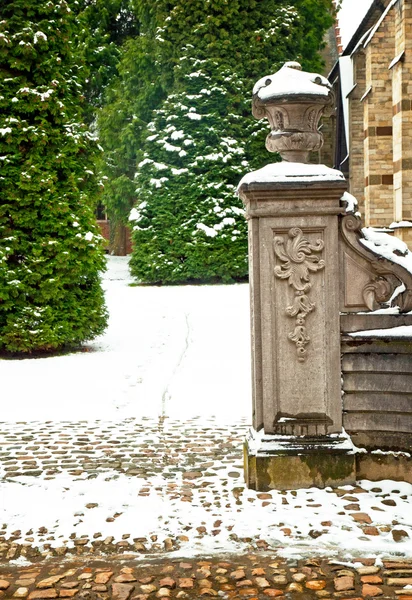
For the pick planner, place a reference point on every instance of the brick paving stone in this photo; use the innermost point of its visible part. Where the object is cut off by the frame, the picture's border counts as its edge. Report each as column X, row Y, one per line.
column 344, row 583
column 21, row 592
column 371, row 590
column 122, row 591
column 43, row 594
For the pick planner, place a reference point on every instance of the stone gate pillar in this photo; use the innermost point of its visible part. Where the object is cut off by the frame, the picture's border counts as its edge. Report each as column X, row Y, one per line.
column 292, row 208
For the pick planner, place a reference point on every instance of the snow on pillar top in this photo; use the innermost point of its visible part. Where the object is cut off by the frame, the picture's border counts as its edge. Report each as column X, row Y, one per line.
column 293, row 101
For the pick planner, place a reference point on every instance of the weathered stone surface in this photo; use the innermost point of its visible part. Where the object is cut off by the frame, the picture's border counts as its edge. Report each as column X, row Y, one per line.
column 316, row 584
column 99, row 587
column 243, row 583
column 45, row 594
column 374, row 579
column 21, row 592
column 238, row 574
column 186, row 583
column 85, row 576
column 368, row 570
column 291, row 471
column 68, row 593
column 370, row 531
column 25, row 582
column 49, row 582
column 69, row 584
column 149, row 588
column 125, row 578
column 361, row 517
column 295, row 587
column 399, row 581
column 103, row 577
column 262, row 582
column 371, row 590
column 122, row 591
column 399, row 535
column 167, row 582
column 280, row 579
column 344, row 583
column 4, row 584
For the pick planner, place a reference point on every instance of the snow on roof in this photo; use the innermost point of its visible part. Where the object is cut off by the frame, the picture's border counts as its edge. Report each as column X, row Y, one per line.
column 285, row 171
column 290, row 80
column 350, row 17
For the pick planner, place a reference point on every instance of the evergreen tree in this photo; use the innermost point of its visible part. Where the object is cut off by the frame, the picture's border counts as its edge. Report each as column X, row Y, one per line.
column 105, row 25
column 188, row 223
column 123, row 119
column 50, row 248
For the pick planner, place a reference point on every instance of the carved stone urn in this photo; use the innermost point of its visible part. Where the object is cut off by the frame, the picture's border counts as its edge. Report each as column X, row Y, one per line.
column 293, row 102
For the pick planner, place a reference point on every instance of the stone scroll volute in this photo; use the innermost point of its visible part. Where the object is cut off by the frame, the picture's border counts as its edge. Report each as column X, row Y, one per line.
column 369, row 279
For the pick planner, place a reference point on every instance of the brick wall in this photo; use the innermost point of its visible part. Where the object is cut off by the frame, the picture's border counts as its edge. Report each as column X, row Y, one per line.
column 118, row 242
column 377, row 121
column 402, row 117
column 380, row 118
column 104, row 226
column 356, row 132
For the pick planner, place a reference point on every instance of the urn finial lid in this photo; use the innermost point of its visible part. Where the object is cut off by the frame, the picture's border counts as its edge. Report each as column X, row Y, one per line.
column 293, row 101
column 290, row 83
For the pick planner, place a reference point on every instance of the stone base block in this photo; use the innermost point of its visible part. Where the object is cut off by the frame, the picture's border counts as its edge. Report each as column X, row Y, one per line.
column 289, row 462
column 375, row 467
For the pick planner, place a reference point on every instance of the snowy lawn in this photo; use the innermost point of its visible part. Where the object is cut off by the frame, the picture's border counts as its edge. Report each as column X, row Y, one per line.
column 174, row 351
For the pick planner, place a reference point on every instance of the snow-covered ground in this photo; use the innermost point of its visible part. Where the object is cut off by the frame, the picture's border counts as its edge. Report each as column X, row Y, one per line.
column 178, row 351
column 85, row 453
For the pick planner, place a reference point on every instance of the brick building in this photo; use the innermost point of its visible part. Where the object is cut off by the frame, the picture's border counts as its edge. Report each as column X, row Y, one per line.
column 372, row 143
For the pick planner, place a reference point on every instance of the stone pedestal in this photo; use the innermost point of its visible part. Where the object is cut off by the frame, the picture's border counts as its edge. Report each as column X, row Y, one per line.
column 297, row 439
column 313, row 272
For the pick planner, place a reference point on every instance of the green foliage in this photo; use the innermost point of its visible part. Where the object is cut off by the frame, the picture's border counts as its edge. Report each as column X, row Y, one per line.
column 188, row 222
column 50, row 248
column 104, row 26
column 122, row 121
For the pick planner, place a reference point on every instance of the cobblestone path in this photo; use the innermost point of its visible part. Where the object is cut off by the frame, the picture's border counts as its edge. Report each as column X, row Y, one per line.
column 249, row 576
column 143, row 509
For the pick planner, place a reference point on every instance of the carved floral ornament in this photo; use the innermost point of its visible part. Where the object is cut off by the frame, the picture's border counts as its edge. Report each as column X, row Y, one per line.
column 299, row 260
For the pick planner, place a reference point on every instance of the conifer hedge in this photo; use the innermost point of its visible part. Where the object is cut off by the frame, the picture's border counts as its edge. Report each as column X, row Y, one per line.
column 50, row 247
column 188, row 223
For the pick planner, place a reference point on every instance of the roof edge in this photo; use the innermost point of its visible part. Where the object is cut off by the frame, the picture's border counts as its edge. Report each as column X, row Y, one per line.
column 376, row 5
